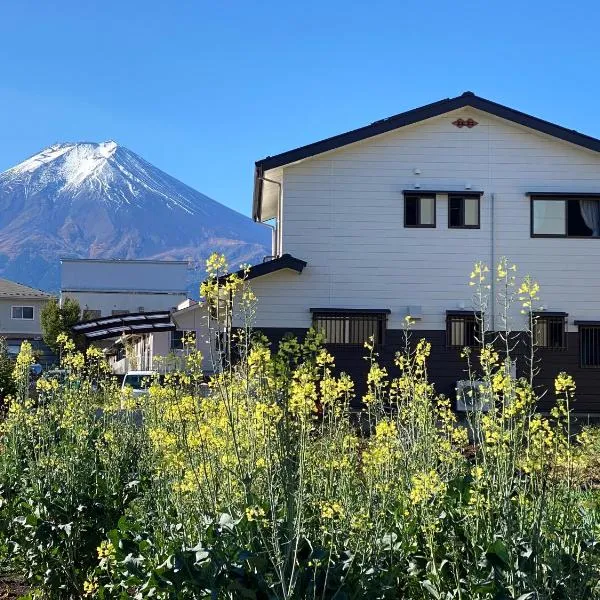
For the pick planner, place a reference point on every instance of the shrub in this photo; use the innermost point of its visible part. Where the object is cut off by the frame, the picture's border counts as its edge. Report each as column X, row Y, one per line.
column 272, row 487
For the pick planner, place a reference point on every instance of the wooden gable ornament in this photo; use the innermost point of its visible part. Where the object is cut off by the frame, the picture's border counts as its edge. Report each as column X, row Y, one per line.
column 469, row 123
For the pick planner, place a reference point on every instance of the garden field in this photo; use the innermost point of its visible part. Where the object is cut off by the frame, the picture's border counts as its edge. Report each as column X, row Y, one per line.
column 266, row 484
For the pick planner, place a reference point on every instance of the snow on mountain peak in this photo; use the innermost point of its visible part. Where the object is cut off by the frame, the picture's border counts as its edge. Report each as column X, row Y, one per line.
column 109, row 174
column 118, row 175
column 71, row 153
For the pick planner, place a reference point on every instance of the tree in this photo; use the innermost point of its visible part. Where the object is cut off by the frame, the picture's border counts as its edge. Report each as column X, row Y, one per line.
column 7, row 383
column 56, row 319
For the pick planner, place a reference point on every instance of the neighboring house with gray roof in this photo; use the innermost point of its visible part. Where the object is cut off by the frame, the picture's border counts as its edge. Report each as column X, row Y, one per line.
column 20, row 308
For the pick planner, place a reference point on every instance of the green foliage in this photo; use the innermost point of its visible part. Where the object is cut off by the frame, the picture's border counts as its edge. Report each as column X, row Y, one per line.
column 57, row 320
column 7, row 365
column 271, row 487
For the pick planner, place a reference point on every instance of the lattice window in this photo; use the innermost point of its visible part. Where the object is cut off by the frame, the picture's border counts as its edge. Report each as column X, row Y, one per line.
column 589, row 346
column 463, row 329
column 549, row 331
column 347, row 328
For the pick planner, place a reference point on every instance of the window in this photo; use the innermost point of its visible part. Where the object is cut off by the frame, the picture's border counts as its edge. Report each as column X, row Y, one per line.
column 463, row 211
column 462, row 329
column 22, row 312
column 350, row 327
column 14, row 349
column 179, row 338
column 567, row 216
column 419, row 211
column 549, row 330
column 589, row 345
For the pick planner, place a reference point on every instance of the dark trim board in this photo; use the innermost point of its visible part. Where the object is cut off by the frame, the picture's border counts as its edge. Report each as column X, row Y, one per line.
column 564, row 195
column 408, row 118
column 461, row 193
column 361, row 311
column 445, row 365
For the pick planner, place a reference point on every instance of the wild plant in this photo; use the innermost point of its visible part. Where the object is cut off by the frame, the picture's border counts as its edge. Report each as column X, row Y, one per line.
column 275, row 484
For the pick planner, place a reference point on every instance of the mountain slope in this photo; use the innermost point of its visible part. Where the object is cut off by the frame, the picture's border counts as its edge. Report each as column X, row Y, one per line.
column 104, row 201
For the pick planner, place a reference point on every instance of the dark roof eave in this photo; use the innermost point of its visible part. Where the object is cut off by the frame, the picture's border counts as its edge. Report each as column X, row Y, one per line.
column 408, row 118
column 426, row 112
column 257, row 198
column 361, row 311
column 285, row 261
column 127, row 320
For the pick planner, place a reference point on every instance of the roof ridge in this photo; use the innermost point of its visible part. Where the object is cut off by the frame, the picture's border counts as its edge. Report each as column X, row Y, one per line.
column 409, row 117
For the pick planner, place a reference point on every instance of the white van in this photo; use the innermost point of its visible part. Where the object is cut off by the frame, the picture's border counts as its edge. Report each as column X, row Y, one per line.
column 138, row 381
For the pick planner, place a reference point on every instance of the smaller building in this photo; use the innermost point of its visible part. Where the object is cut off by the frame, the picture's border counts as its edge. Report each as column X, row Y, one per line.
column 152, row 341
column 192, row 318
column 115, row 287
column 20, row 309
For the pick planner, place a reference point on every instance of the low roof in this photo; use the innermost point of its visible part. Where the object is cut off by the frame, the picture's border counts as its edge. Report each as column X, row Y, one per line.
column 285, row 261
column 408, row 118
column 115, row 326
column 12, row 289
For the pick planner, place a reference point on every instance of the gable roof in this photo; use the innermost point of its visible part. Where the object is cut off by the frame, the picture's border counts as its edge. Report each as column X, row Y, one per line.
column 12, row 289
column 408, row 118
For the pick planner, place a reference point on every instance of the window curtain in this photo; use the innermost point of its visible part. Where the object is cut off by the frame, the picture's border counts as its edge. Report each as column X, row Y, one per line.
column 590, row 211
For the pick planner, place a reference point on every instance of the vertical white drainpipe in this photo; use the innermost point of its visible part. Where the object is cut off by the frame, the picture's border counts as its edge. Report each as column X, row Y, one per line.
column 493, row 261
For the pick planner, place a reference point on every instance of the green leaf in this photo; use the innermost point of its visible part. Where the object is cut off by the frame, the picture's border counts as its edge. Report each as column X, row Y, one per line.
column 498, row 555
column 429, row 587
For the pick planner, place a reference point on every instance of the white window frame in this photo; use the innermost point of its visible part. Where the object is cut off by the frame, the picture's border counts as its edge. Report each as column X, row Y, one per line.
column 22, row 318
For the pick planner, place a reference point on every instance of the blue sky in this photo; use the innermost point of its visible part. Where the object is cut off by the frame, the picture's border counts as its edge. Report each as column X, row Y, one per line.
column 202, row 90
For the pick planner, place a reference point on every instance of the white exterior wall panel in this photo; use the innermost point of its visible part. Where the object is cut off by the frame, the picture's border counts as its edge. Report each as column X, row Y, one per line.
column 109, row 285
column 129, row 301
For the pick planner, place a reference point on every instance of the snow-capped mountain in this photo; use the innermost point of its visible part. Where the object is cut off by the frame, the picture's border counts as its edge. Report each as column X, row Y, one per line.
column 104, row 201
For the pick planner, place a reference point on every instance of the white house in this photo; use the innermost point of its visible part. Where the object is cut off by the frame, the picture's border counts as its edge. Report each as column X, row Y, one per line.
column 115, row 287
column 388, row 220
column 20, row 309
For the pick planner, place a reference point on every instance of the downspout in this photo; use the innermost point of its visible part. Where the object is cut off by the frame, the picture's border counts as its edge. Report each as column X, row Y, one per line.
column 493, row 261
column 273, row 238
column 278, row 217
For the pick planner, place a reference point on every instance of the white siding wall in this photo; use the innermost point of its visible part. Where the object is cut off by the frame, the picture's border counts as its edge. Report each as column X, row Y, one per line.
column 343, row 213
column 147, row 275
column 131, row 301
column 20, row 327
column 161, row 345
column 123, row 284
column 195, row 319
